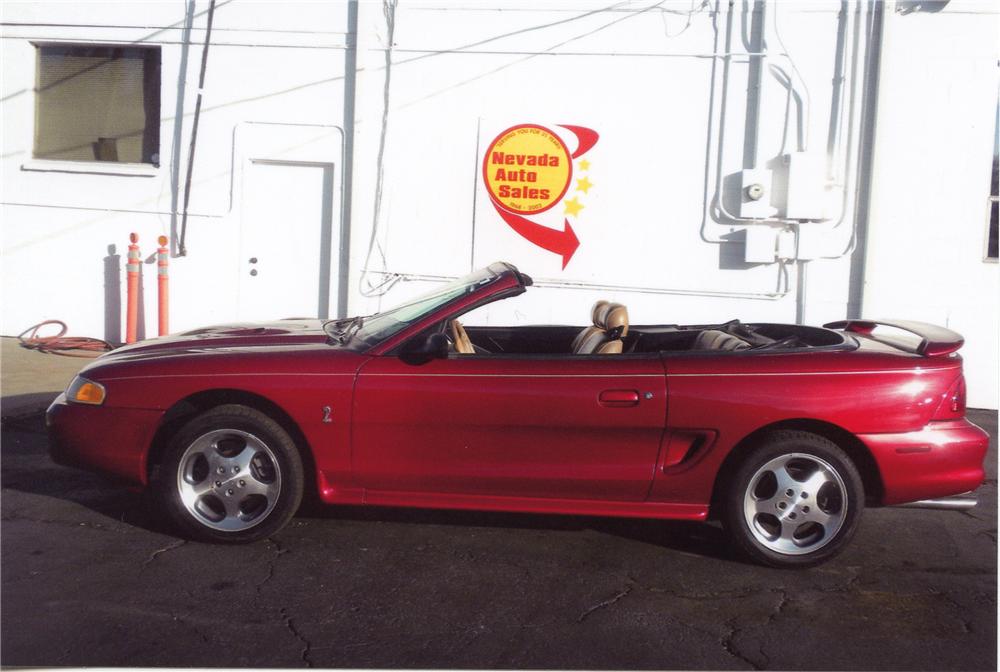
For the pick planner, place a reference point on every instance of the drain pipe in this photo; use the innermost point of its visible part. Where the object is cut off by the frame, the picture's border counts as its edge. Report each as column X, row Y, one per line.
column 752, row 142
column 182, row 246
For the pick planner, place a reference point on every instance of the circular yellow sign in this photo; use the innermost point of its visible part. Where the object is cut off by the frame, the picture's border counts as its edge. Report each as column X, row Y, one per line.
column 527, row 169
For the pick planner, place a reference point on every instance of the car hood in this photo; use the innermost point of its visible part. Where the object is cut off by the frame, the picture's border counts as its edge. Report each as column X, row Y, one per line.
column 236, row 335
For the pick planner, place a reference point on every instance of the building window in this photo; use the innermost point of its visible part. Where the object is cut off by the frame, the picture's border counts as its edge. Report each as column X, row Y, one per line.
column 98, row 103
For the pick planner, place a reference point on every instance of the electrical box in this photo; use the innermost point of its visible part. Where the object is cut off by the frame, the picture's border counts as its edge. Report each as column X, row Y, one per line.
column 815, row 243
column 755, row 194
column 761, row 245
column 787, row 245
column 807, row 183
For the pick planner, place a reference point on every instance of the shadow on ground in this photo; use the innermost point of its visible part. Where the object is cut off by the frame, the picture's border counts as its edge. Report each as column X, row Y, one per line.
column 38, row 475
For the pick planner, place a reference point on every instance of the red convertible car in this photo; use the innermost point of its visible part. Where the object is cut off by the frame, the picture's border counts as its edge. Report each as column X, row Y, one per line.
column 784, row 432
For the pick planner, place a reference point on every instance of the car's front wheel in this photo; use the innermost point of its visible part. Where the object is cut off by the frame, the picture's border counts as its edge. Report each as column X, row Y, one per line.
column 231, row 474
column 795, row 501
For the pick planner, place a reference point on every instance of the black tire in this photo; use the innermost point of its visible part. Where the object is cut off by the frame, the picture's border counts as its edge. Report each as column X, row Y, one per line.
column 794, row 501
column 230, row 475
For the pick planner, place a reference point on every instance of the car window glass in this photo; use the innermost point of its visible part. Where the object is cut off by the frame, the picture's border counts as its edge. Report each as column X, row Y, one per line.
column 387, row 323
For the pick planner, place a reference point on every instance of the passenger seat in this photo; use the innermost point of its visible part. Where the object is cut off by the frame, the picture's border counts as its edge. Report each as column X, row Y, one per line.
column 610, row 325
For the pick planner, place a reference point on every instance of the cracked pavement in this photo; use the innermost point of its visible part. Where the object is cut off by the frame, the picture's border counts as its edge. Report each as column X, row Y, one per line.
column 90, row 577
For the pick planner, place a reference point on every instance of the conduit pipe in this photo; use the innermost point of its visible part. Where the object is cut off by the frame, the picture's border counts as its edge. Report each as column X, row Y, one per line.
column 182, row 244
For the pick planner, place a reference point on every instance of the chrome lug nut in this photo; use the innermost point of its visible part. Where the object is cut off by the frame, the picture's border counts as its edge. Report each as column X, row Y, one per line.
column 242, row 483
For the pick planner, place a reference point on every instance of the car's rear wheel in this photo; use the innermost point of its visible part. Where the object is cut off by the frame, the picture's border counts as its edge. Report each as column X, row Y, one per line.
column 795, row 501
column 231, row 474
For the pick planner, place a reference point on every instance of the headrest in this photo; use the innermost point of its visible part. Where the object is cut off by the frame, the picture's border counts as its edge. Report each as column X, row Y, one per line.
column 616, row 320
column 597, row 311
column 612, row 317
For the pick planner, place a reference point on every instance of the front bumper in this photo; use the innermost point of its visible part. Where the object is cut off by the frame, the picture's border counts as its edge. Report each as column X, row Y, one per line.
column 113, row 441
column 942, row 459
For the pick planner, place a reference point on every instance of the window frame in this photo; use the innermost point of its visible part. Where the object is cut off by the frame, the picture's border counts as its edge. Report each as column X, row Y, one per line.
column 93, row 166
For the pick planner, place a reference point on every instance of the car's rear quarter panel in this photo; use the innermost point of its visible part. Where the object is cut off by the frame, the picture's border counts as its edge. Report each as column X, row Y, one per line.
column 874, row 391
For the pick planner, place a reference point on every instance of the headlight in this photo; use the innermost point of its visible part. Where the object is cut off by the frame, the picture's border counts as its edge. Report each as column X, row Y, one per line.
column 83, row 391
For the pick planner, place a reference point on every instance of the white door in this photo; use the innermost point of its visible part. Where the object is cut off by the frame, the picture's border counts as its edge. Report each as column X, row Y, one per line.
column 289, row 241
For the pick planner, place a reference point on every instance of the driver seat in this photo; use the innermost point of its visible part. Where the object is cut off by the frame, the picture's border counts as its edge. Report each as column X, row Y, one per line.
column 610, row 325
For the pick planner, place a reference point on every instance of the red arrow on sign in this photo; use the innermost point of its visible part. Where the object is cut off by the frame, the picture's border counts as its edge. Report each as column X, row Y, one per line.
column 585, row 138
column 563, row 243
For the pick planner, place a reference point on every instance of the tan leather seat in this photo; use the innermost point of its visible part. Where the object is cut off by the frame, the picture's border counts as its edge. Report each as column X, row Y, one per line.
column 604, row 337
column 713, row 339
column 591, row 332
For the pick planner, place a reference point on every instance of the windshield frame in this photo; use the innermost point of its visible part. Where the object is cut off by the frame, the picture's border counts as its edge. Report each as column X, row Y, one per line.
column 482, row 286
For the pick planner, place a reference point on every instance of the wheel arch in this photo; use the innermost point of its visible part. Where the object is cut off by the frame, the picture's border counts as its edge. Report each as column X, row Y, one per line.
column 859, row 453
column 190, row 406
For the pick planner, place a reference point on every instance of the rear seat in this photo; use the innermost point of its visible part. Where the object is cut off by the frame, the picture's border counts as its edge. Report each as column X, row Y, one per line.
column 713, row 339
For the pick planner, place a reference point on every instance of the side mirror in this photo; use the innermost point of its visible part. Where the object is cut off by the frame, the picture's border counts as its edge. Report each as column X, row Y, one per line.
column 422, row 350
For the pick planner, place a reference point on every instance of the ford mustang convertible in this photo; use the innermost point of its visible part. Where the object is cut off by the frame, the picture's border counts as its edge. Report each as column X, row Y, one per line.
column 783, row 432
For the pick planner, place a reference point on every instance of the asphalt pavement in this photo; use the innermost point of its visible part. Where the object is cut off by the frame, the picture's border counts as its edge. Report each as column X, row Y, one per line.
column 90, row 577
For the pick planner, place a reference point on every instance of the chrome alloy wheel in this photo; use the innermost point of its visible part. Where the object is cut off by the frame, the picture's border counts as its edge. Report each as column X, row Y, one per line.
column 795, row 504
column 228, row 480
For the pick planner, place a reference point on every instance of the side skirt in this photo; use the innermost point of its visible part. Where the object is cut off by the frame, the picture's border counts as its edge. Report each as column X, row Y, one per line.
column 582, row 507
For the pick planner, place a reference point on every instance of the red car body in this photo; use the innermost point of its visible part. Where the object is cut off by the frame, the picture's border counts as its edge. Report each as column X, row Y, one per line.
column 645, row 434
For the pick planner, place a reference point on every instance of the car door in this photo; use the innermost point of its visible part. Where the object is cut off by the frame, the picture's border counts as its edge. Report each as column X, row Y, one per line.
column 570, row 427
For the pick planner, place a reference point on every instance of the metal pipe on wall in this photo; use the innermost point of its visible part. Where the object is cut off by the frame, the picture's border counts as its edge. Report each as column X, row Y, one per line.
column 182, row 245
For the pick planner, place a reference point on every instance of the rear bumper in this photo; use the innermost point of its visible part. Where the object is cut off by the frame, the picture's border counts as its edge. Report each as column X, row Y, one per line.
column 113, row 441
column 942, row 459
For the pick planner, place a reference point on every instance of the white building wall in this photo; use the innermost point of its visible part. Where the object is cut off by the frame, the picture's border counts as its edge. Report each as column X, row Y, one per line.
column 268, row 62
column 667, row 89
column 931, row 179
column 651, row 82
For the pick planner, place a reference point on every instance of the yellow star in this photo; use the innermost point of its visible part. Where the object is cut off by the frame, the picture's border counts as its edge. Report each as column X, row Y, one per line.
column 584, row 185
column 584, row 164
column 573, row 207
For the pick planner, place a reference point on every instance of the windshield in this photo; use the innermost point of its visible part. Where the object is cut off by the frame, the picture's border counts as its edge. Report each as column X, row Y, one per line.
column 378, row 327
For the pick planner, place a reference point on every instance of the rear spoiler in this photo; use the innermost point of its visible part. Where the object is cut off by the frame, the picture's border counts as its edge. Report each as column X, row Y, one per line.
column 935, row 341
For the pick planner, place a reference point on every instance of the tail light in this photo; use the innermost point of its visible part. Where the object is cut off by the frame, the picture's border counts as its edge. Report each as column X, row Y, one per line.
column 952, row 406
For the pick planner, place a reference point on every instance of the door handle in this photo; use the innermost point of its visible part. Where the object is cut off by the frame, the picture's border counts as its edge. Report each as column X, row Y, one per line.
column 619, row 398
